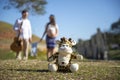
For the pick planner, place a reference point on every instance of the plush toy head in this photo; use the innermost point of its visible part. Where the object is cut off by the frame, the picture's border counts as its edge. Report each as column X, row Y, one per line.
column 65, row 45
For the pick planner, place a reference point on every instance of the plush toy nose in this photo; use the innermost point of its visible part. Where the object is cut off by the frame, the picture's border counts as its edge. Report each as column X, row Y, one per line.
column 62, row 62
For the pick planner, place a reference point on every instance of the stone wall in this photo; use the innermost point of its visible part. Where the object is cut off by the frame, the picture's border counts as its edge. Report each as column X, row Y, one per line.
column 95, row 48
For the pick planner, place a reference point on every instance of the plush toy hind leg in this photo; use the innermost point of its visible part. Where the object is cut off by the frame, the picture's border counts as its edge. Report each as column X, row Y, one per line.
column 52, row 67
column 74, row 67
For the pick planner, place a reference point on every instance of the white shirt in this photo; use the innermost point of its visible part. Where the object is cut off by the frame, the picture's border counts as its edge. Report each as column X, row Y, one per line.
column 52, row 29
column 26, row 28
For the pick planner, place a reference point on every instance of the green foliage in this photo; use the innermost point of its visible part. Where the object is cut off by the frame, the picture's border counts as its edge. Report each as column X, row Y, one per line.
column 114, row 55
column 115, row 27
column 113, row 35
column 34, row 6
column 113, row 38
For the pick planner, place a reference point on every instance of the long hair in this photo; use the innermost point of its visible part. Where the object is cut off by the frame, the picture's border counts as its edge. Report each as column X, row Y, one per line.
column 52, row 20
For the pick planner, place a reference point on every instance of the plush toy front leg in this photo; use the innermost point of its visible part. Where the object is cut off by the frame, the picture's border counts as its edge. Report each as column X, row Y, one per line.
column 74, row 67
column 52, row 67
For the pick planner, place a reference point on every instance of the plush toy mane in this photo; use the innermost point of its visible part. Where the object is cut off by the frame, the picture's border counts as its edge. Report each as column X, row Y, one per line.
column 66, row 41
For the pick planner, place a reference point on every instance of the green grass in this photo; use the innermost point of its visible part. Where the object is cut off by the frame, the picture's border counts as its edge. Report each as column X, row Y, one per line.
column 5, row 26
column 114, row 55
column 6, row 55
column 41, row 55
column 37, row 70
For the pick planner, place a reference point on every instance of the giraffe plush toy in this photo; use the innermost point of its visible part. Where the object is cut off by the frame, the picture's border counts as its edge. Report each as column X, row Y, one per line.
column 62, row 59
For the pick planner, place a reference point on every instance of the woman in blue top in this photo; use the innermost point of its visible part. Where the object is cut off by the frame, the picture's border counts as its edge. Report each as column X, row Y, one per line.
column 51, row 31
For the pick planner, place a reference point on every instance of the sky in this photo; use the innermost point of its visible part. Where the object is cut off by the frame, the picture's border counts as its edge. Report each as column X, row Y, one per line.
column 77, row 19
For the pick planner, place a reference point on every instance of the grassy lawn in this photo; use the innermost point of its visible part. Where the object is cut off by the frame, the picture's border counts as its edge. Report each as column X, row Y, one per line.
column 114, row 54
column 6, row 54
column 37, row 70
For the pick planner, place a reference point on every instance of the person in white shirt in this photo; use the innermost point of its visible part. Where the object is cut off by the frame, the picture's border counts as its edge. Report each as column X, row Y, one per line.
column 51, row 31
column 23, row 26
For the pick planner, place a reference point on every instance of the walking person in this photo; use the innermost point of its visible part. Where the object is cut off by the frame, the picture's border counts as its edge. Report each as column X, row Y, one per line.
column 22, row 27
column 51, row 32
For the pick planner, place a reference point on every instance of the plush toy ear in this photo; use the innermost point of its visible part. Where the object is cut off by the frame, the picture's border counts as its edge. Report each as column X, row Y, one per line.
column 63, row 39
column 72, row 42
column 70, row 39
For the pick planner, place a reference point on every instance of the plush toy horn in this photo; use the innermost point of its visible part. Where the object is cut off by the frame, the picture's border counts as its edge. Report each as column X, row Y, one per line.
column 72, row 42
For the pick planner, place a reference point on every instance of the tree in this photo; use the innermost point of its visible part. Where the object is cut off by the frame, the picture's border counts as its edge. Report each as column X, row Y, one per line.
column 33, row 6
column 115, row 27
column 113, row 35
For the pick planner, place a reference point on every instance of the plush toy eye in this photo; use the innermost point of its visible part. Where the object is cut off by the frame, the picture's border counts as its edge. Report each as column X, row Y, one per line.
column 67, row 45
column 63, row 45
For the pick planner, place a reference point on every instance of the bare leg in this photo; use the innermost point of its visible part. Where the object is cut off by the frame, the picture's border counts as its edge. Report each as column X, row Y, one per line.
column 18, row 55
column 48, row 53
column 25, row 49
column 52, row 51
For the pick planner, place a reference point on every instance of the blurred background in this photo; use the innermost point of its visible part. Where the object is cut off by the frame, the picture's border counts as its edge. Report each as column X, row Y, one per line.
column 94, row 25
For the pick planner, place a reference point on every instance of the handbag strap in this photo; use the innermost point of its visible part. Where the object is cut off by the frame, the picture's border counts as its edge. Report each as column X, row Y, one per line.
column 20, row 28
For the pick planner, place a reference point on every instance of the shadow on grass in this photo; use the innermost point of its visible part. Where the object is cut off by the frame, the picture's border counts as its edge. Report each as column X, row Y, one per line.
column 29, row 70
column 65, row 71
column 44, row 70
